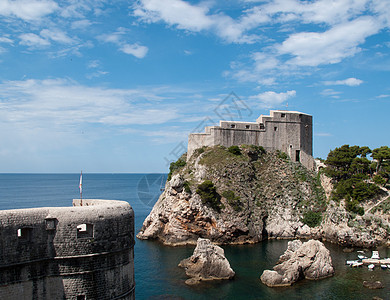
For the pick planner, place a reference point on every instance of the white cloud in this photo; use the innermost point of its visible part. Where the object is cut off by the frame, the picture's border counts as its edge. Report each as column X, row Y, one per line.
column 196, row 18
column 117, row 38
column 81, row 24
column 321, row 11
column 6, row 40
column 57, row 103
column 93, row 64
column 330, row 93
column 134, row 49
column 33, row 40
column 28, row 10
column 174, row 12
column 271, row 99
column 56, row 35
column 383, row 96
column 329, row 47
column 349, row 81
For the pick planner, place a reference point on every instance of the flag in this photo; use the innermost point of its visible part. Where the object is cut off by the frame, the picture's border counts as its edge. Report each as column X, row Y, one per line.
column 81, row 182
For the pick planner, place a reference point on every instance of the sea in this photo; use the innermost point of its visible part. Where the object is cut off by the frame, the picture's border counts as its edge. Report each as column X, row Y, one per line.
column 157, row 274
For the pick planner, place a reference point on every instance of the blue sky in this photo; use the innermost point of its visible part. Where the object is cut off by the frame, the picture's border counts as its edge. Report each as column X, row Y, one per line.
column 117, row 86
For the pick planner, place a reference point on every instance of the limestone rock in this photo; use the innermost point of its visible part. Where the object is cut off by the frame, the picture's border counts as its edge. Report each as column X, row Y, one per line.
column 373, row 284
column 208, row 262
column 271, row 196
column 310, row 260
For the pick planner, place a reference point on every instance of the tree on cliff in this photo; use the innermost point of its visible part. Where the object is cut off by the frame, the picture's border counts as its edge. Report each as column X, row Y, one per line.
column 350, row 170
column 382, row 157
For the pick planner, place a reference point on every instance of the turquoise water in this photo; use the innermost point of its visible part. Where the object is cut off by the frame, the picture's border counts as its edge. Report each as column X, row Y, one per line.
column 156, row 271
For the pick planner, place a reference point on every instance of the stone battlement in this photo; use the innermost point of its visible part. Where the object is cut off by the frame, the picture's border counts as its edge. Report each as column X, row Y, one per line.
column 81, row 252
column 287, row 131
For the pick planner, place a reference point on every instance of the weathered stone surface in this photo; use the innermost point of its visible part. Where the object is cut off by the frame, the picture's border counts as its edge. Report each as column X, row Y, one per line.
column 373, row 284
column 310, row 260
column 50, row 252
column 266, row 205
column 273, row 195
column 208, row 262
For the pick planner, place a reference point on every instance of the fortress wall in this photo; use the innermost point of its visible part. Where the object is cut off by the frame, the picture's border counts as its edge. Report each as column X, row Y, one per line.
column 53, row 259
column 290, row 132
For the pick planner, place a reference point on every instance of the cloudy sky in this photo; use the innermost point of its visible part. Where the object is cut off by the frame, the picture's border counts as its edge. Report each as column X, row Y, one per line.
column 116, row 86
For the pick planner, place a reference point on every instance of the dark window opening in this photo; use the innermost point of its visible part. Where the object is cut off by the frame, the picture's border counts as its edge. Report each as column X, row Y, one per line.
column 232, row 126
column 85, row 231
column 262, row 126
column 297, row 155
column 275, row 128
column 247, row 126
column 283, row 115
column 50, row 224
column 25, row 233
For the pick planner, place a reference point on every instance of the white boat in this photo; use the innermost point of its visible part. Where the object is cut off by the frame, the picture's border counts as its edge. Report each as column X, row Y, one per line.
column 384, row 267
column 371, row 267
column 375, row 255
column 351, row 262
column 358, row 264
column 361, row 256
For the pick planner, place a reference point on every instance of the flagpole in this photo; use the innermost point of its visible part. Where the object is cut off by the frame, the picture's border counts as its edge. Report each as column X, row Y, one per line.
column 81, row 188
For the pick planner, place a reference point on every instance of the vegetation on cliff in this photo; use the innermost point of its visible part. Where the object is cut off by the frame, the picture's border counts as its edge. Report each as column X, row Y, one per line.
column 356, row 178
column 244, row 194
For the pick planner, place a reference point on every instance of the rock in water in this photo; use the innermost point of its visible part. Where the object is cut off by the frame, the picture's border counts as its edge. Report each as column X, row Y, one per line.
column 373, row 284
column 309, row 260
column 208, row 262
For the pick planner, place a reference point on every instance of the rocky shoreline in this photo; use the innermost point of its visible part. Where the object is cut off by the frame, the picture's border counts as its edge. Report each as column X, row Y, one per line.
column 261, row 196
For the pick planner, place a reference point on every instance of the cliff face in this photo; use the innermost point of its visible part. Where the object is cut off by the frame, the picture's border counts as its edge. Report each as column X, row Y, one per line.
column 258, row 195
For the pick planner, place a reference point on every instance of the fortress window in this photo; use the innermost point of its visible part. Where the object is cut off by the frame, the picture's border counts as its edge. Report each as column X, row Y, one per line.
column 297, row 155
column 25, row 233
column 283, row 115
column 232, row 125
column 275, row 128
column 247, row 126
column 262, row 126
column 50, row 224
column 84, row 231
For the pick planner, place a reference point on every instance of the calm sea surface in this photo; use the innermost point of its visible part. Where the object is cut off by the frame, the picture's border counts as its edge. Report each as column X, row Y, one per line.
column 156, row 272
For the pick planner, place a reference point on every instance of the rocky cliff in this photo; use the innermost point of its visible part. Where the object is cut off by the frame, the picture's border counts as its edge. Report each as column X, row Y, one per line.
column 244, row 195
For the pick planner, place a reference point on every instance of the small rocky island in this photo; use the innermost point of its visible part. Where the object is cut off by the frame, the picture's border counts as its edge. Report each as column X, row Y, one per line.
column 208, row 262
column 310, row 260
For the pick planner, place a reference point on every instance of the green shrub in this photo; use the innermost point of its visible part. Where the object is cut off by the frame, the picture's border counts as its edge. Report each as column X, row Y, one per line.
column 234, row 201
column 234, row 150
column 187, row 187
column 282, row 155
column 312, row 218
column 353, row 206
column 378, row 179
column 174, row 166
column 199, row 151
column 208, row 193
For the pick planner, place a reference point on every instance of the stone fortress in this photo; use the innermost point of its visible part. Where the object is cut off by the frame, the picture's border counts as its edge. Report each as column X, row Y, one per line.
column 287, row 131
column 79, row 253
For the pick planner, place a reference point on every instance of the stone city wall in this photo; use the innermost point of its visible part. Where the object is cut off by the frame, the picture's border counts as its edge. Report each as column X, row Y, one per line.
column 80, row 252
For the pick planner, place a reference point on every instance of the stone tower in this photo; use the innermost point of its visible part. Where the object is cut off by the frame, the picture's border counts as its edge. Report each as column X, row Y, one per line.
column 80, row 253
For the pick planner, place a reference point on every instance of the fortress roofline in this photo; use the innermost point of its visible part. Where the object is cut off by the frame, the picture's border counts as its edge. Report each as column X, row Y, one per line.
column 289, row 112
